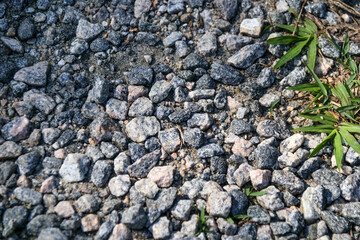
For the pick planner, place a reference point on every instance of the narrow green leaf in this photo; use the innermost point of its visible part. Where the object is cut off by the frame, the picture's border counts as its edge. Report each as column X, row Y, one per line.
column 346, row 108
column 310, row 25
column 202, row 213
column 339, row 151
column 320, row 84
column 267, row 28
column 315, row 128
column 346, row 45
column 350, row 139
column 351, row 79
column 353, row 65
column 257, row 194
column 272, row 107
column 312, row 102
column 230, row 220
column 285, row 40
column 322, row 144
column 317, row 108
column 292, row 53
column 312, row 87
column 347, row 115
column 301, row 31
column 311, row 53
column 350, row 127
column 325, row 119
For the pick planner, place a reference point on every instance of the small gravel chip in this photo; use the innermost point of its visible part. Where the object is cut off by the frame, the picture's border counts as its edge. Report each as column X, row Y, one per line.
column 100, row 173
column 140, row 128
column 247, row 55
column 182, row 209
column 159, row 91
column 88, row 31
column 210, row 150
column 142, row 166
column 239, row 127
column 35, row 75
column 28, row 195
column 161, row 228
column 251, row 27
column 147, row 188
column 16, row 130
column 119, row 185
column 219, row 204
column 170, row 140
column 134, row 217
column 51, row 233
column 74, row 167
column 225, row 74
column 163, row 176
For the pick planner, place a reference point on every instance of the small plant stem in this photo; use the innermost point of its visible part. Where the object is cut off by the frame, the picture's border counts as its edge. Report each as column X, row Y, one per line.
column 298, row 18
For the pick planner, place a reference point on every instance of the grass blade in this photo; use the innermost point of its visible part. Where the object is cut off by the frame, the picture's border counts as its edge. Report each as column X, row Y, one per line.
column 229, row 219
column 322, row 118
column 346, row 45
column 240, row 216
column 292, row 53
column 322, row 144
column 257, row 194
column 311, row 53
column 316, row 128
column 285, row 40
column 272, row 107
column 312, row 87
column 317, row 108
column 320, row 84
column 339, row 151
column 350, row 127
column 350, row 139
column 310, row 25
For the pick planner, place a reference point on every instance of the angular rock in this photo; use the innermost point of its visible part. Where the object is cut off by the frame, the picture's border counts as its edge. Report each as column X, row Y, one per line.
column 225, row 74
column 88, row 31
column 170, row 40
column 193, row 61
column 9, row 150
column 75, row 167
column 170, row 140
column 219, row 204
column 140, row 75
column 251, row 27
column 270, row 128
column 39, row 100
column 295, row 77
column 100, row 173
column 207, row 44
column 28, row 195
column 272, row 200
column 117, row 109
column 14, row 218
column 336, row 223
column 13, row 44
column 288, row 181
column 35, row 75
column 247, row 55
column 16, row 130
column 26, row 29
column 161, row 228
column 119, row 185
column 210, row 150
column 78, row 46
column 142, row 166
column 134, row 217
column 147, row 187
column 141, row 128
column 239, row 127
column 227, row 8
column 159, row 91
column 350, row 188
column 28, row 162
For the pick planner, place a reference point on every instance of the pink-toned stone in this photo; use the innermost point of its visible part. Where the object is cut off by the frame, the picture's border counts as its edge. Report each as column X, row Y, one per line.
column 64, row 209
column 242, row 146
column 190, row 85
column 232, row 103
column 135, row 92
column 49, row 185
column 162, row 176
column 90, row 223
column 17, row 129
column 260, row 178
column 264, row 232
column 121, row 92
column 24, row 181
column 242, row 174
column 121, row 231
column 60, row 153
column 34, row 138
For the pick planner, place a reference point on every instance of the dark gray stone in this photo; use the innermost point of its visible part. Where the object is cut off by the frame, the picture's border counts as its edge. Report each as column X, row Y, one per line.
column 225, row 74
column 247, row 55
column 35, row 75
column 28, row 162
column 266, row 157
column 336, row 223
column 26, row 29
column 140, row 75
column 88, row 31
column 193, row 61
column 210, row 150
column 28, row 195
column 99, row 45
column 142, row 166
column 134, row 217
column 175, row 6
column 239, row 127
column 14, row 218
column 40, row 222
column 258, row 214
column 100, row 173
column 326, row 176
column 228, row 8
column 193, row 137
column 147, row 38
column 287, row 180
column 308, row 167
column 180, row 115
column 270, row 128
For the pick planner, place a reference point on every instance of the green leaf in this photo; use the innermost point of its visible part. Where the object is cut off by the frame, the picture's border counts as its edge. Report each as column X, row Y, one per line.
column 311, row 53
column 350, row 80
column 257, row 194
column 350, row 139
column 320, row 84
column 272, row 107
column 317, row 108
column 240, row 216
column 285, row 40
column 323, row 143
column 301, row 31
column 292, row 53
column 350, row 127
column 333, row 42
column 353, row 65
column 322, row 118
column 312, row 102
column 310, row 25
column 230, row 220
column 316, row 128
column 202, row 213
column 339, row 151
column 346, row 108
column 312, row 87
column 346, row 45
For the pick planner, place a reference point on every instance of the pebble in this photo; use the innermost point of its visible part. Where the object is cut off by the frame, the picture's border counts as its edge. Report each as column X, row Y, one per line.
column 35, row 75
column 28, row 195
column 247, row 55
column 161, row 228
column 207, row 44
column 88, row 31
column 170, row 140
column 134, row 217
column 270, row 128
column 219, row 204
column 142, row 166
column 147, row 187
column 16, row 130
column 13, row 44
column 64, row 209
column 225, row 74
column 251, row 27
column 90, row 223
column 74, row 167
column 141, row 128
column 119, row 185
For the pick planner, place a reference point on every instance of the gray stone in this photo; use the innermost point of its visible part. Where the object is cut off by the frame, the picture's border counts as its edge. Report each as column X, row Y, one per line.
column 189, row 228
column 28, row 162
column 242, row 174
column 239, row 202
column 161, row 228
column 78, row 46
column 49, row 135
column 121, row 163
column 109, row 150
column 352, row 157
column 291, row 144
column 272, row 200
column 225, row 74
column 309, row 166
column 13, row 44
column 201, row 120
column 28, row 195
column 16, row 130
column 317, row 8
column 88, row 31
column 99, row 45
column 9, row 150
column 228, row 8
column 270, row 128
column 140, row 75
column 266, row 78
column 239, row 127
column 219, row 204
column 327, row 176
column 258, row 214
column 170, row 40
column 102, row 128
column 134, row 217
column 207, row 44
column 170, row 140
column 201, row 94
column 280, row 228
column 247, row 55
column 141, row 128
column 140, row 7
column 7, row 70
column 193, row 137
column 266, row 157
column 159, row 91
column 147, row 38
column 350, row 188
column 39, row 100
column 182, row 49
column 100, row 173
column 225, row 227
column 182, row 209
column 35, row 75
column 251, row 27
column 210, row 150
column 26, row 29
column 14, row 218
column 142, row 166
column 6, row 170
column 147, row 188
column 51, row 233
column 268, row 99
column 295, row 77
column 100, row 92
column 141, row 107
column 351, row 212
column 163, row 201
column 75, row 167
column 180, row 115
column 117, row 109
column 40, row 222
column 193, row 61
column 336, row 223
column 119, row 185
column 287, row 180
column 87, row 204
column 175, row 6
